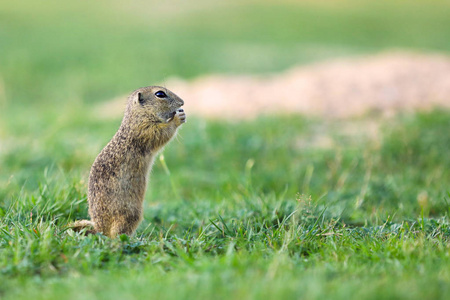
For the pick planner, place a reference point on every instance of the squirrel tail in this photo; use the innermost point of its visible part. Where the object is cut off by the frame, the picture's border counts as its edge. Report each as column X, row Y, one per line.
column 79, row 225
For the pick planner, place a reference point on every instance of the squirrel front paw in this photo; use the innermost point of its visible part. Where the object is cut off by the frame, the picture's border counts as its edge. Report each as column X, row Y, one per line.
column 181, row 115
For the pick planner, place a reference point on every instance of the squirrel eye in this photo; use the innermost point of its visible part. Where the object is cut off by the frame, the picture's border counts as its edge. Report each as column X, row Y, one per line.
column 160, row 94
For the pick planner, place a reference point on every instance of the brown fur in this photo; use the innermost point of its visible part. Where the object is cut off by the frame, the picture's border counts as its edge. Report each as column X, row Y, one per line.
column 118, row 177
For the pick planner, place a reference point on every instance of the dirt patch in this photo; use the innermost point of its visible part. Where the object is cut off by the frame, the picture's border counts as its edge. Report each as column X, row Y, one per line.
column 385, row 83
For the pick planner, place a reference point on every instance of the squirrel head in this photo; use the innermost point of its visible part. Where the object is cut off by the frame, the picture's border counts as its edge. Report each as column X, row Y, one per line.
column 152, row 104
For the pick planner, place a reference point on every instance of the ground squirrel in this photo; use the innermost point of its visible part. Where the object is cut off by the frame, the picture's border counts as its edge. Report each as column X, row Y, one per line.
column 118, row 177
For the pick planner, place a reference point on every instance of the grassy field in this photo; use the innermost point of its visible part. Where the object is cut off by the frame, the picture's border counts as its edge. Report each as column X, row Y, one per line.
column 247, row 210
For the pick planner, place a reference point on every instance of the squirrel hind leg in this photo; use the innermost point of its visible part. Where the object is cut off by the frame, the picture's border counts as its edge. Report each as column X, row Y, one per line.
column 124, row 226
column 79, row 225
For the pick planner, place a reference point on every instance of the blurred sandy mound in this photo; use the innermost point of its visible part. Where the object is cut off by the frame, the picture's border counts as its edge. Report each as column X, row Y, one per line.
column 385, row 83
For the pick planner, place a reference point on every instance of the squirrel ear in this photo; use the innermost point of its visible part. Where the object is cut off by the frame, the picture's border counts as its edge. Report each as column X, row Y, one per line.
column 140, row 99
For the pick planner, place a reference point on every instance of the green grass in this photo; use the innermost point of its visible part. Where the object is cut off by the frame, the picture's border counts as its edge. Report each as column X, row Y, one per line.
column 248, row 214
column 253, row 209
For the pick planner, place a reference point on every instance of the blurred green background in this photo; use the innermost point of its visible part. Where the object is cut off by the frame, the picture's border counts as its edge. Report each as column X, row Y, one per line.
column 59, row 59
column 58, row 52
